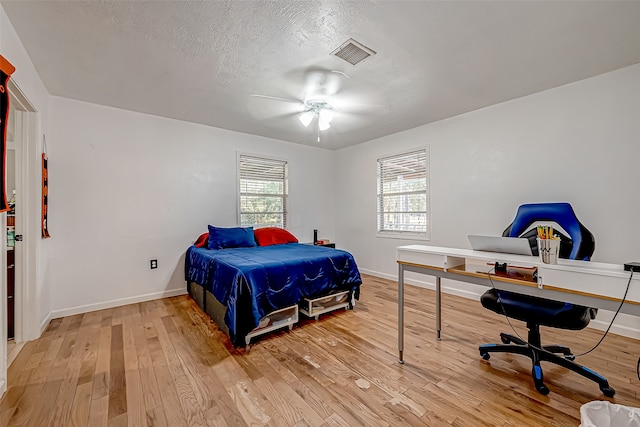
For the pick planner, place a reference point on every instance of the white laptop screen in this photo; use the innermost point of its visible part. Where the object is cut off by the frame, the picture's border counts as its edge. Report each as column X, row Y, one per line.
column 507, row 245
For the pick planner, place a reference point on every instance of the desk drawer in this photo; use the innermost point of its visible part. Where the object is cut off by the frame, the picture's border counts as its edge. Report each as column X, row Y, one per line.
column 432, row 260
column 592, row 282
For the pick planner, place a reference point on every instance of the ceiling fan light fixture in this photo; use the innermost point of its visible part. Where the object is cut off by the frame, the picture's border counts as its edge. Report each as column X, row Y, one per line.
column 326, row 115
column 323, row 125
column 324, row 119
column 320, row 108
column 306, row 117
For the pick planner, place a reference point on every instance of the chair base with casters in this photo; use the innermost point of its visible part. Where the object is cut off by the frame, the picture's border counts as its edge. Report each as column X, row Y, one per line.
column 533, row 349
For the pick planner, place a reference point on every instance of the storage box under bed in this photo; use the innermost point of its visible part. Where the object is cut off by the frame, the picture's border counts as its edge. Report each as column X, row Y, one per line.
column 314, row 307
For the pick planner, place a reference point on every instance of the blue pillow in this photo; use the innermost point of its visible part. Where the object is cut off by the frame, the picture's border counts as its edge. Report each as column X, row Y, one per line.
column 234, row 237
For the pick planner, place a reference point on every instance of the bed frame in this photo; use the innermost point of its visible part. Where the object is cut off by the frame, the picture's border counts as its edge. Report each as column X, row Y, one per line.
column 284, row 317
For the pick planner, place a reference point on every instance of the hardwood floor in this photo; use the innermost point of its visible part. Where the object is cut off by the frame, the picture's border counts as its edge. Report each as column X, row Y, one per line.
column 164, row 363
column 13, row 348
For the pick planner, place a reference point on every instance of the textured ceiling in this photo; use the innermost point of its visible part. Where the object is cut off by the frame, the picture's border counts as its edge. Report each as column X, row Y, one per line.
column 204, row 62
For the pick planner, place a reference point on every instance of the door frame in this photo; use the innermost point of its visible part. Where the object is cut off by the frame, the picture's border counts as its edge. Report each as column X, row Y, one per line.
column 27, row 219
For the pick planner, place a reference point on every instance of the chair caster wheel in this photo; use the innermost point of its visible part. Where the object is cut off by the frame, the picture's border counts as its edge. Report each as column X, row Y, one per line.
column 485, row 356
column 542, row 389
column 505, row 340
column 608, row 391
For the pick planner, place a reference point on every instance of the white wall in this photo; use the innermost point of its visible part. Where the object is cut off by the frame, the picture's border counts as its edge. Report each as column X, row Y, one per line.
column 578, row 143
column 128, row 187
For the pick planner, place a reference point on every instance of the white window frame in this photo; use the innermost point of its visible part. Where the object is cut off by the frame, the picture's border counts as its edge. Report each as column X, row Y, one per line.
column 398, row 234
column 284, row 196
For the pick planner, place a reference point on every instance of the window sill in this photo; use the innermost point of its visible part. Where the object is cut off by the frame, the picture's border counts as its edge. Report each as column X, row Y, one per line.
column 403, row 236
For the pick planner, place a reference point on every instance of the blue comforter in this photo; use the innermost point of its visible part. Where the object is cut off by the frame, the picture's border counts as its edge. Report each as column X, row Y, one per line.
column 252, row 282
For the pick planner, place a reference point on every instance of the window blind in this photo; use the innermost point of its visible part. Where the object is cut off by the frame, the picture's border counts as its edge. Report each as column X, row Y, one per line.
column 403, row 193
column 263, row 192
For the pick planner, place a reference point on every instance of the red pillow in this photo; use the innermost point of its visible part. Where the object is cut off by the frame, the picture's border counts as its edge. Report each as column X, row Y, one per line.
column 202, row 240
column 273, row 236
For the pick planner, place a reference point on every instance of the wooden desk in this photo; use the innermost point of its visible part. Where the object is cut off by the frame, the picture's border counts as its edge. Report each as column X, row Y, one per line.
column 591, row 284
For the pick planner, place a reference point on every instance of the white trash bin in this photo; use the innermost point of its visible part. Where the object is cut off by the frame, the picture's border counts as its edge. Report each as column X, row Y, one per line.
column 601, row 413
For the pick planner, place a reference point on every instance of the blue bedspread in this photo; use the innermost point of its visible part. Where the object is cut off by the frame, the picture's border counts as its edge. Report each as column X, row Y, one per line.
column 252, row 282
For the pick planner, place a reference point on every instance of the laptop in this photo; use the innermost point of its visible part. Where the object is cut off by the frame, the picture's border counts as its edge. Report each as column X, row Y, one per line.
column 506, row 245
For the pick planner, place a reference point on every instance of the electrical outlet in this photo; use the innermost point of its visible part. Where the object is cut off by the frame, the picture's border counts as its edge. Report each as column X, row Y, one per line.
column 153, row 263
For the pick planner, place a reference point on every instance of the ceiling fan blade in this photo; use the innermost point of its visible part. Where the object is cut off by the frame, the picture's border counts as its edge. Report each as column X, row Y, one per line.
column 323, row 83
column 346, row 122
column 276, row 98
column 314, row 82
column 264, row 107
column 284, row 116
column 360, row 100
column 370, row 109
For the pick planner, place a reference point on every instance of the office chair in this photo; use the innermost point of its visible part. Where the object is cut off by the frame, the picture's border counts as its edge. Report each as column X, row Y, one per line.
column 536, row 311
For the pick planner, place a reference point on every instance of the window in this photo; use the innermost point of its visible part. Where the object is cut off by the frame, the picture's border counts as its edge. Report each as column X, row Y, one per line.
column 402, row 194
column 263, row 192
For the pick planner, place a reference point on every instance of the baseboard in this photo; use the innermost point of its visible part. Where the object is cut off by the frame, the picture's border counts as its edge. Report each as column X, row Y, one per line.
column 45, row 322
column 461, row 289
column 378, row 274
column 115, row 303
column 617, row 329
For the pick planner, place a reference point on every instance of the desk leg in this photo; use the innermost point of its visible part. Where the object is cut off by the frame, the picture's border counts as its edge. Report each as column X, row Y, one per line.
column 438, row 308
column 400, row 312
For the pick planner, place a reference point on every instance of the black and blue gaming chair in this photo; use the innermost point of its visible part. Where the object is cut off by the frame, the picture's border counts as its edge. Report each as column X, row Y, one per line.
column 535, row 311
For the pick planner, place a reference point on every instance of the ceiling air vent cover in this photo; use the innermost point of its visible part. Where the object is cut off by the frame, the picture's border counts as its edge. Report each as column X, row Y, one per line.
column 353, row 52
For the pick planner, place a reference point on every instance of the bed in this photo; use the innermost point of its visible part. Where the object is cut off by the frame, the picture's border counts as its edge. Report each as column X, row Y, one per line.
column 248, row 291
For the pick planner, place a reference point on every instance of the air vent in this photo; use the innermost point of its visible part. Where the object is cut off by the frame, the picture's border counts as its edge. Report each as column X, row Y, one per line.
column 353, row 52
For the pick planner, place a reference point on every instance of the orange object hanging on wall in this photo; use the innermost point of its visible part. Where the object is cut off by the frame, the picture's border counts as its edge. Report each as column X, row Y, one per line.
column 6, row 69
column 45, row 194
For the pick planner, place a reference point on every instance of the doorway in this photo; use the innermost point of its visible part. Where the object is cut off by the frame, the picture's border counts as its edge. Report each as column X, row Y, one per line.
column 10, row 229
column 11, row 218
column 17, row 254
column 27, row 324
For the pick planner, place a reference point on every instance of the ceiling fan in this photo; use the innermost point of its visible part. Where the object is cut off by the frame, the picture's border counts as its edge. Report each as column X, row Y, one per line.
column 320, row 108
column 322, row 99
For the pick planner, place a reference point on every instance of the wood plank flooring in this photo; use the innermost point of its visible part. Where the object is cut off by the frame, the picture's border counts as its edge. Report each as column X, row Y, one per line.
column 164, row 363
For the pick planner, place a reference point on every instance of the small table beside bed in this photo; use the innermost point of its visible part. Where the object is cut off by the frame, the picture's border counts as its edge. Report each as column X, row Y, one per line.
column 251, row 284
